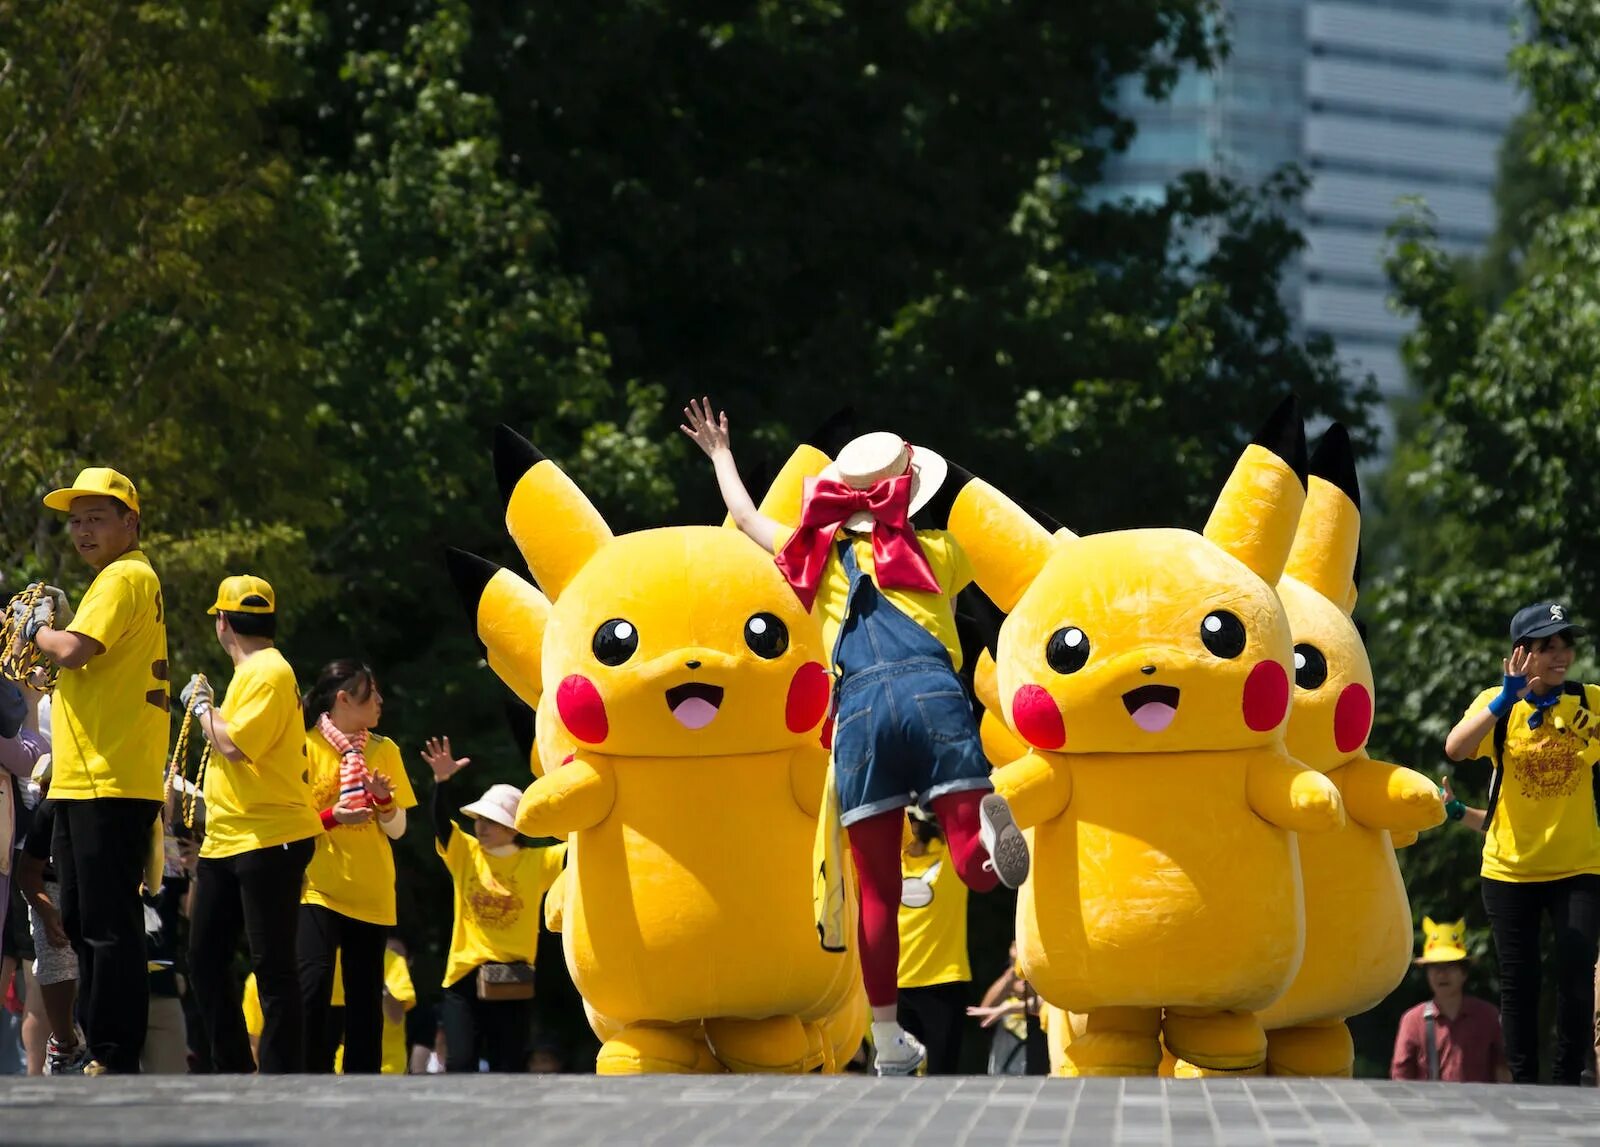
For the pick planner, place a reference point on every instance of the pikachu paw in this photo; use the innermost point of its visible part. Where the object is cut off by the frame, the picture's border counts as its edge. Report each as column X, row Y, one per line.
column 1416, row 804
column 1316, row 804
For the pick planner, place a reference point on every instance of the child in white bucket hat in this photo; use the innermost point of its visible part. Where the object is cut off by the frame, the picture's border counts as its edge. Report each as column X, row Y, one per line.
column 499, row 885
column 903, row 728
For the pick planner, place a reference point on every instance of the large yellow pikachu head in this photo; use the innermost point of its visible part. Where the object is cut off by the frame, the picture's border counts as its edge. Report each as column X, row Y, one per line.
column 1332, row 712
column 1163, row 640
column 684, row 641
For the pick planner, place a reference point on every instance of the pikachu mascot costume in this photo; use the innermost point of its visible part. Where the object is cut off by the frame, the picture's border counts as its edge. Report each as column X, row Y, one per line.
column 1150, row 672
column 1358, row 919
column 681, row 691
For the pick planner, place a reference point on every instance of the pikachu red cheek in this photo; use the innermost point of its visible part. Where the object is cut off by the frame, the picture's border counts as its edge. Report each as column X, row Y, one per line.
column 1036, row 718
column 581, row 709
column 1266, row 696
column 808, row 697
column 1352, row 718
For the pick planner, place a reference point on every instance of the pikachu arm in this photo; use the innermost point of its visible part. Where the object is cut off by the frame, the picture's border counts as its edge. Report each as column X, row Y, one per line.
column 574, row 797
column 808, row 772
column 555, row 902
column 1038, row 788
column 1393, row 797
column 1286, row 793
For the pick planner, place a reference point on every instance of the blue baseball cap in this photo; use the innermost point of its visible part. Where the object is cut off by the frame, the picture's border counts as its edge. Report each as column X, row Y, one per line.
column 1542, row 619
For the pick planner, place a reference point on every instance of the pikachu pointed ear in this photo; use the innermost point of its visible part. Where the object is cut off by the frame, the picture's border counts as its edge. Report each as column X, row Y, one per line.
column 557, row 529
column 1255, row 516
column 782, row 500
column 509, row 617
column 1327, row 542
column 1428, row 925
column 1006, row 546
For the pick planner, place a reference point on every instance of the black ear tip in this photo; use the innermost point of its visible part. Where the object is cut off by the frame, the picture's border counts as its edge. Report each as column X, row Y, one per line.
column 830, row 435
column 471, row 574
column 1334, row 461
column 514, row 456
column 1284, row 433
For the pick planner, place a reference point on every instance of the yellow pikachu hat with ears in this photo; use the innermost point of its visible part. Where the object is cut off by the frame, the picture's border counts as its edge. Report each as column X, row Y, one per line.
column 1443, row 943
column 680, row 691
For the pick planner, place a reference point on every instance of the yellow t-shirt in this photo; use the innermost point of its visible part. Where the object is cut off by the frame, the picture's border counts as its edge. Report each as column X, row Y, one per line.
column 1544, row 825
column 933, row 611
column 933, row 920
column 497, row 902
column 109, row 719
column 265, row 801
column 352, row 872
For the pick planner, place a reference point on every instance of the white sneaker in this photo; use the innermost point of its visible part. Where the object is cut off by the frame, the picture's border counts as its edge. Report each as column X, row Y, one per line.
column 902, row 1055
column 59, row 1062
column 1002, row 840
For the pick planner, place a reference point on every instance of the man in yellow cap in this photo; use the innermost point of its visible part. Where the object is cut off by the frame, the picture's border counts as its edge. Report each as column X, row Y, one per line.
column 110, row 729
column 1453, row 1036
column 260, row 830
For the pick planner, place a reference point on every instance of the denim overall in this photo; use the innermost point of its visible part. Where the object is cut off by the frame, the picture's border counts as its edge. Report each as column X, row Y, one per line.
column 903, row 728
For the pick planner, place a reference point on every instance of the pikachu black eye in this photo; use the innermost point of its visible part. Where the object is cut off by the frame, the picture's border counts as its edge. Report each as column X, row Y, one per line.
column 615, row 641
column 1310, row 667
column 1067, row 650
column 766, row 635
column 1223, row 634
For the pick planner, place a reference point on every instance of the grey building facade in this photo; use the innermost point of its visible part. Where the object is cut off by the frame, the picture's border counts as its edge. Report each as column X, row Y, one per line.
column 1378, row 100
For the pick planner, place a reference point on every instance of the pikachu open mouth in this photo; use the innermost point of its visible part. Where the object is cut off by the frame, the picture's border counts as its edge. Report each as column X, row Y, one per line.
column 695, row 705
column 1152, row 707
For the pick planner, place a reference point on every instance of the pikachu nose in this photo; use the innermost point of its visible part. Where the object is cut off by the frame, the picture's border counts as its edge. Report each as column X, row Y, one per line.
column 1148, row 670
column 691, row 665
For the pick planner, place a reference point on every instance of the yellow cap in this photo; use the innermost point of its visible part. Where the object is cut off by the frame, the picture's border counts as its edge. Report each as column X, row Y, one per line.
column 245, row 593
column 1443, row 943
column 95, row 482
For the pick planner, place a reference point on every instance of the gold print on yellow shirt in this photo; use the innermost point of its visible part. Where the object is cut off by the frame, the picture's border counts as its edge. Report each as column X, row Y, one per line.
column 1547, row 768
column 494, row 906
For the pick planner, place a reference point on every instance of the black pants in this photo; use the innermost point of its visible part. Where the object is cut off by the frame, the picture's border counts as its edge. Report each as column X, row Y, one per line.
column 1515, row 914
column 259, row 892
column 936, row 1015
column 99, row 848
column 495, row 1030
column 327, row 936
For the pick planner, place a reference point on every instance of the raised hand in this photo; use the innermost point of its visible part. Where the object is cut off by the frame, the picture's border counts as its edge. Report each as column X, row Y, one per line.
column 441, row 760
column 1516, row 669
column 708, row 431
column 381, row 788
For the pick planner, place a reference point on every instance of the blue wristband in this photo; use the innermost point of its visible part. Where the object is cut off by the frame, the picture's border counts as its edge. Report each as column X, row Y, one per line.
column 1509, row 688
column 1455, row 809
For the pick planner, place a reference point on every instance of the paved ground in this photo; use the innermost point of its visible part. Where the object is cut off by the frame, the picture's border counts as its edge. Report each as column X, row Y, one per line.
column 536, row 1110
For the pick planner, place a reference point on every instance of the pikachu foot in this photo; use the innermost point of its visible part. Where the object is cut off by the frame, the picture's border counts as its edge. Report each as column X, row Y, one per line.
column 1106, row 1042
column 1321, row 1049
column 775, row 1045
column 641, row 1050
column 1219, row 1041
column 1183, row 1069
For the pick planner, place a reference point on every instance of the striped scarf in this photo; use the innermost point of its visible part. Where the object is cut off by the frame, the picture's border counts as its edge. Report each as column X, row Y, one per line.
column 353, row 772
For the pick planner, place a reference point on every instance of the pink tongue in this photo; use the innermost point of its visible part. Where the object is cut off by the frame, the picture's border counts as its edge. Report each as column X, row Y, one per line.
column 1153, row 716
column 694, row 713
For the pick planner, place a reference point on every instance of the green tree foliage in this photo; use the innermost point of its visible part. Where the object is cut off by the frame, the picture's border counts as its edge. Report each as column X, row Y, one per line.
column 1490, row 486
column 153, row 312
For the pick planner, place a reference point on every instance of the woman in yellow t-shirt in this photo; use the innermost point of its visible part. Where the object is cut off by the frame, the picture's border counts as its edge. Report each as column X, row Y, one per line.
column 1541, row 851
column 348, row 906
column 487, row 1009
column 934, row 973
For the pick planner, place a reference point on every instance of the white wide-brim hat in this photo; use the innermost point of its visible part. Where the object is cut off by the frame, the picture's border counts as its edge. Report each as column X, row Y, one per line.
column 871, row 458
column 498, row 804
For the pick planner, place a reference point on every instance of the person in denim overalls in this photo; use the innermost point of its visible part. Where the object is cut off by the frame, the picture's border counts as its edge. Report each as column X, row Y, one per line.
column 903, row 727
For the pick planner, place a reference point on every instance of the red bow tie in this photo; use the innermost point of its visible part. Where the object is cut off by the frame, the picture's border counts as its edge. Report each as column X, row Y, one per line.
column 897, row 557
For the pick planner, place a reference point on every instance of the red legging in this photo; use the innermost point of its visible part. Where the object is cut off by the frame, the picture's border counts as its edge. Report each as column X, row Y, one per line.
column 875, row 843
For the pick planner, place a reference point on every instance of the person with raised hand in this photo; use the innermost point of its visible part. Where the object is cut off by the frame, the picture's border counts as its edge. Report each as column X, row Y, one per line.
column 1541, row 849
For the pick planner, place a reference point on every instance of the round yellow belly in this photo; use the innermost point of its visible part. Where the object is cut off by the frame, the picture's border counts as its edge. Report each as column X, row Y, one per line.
column 1159, row 887
column 1358, row 928
column 693, row 898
